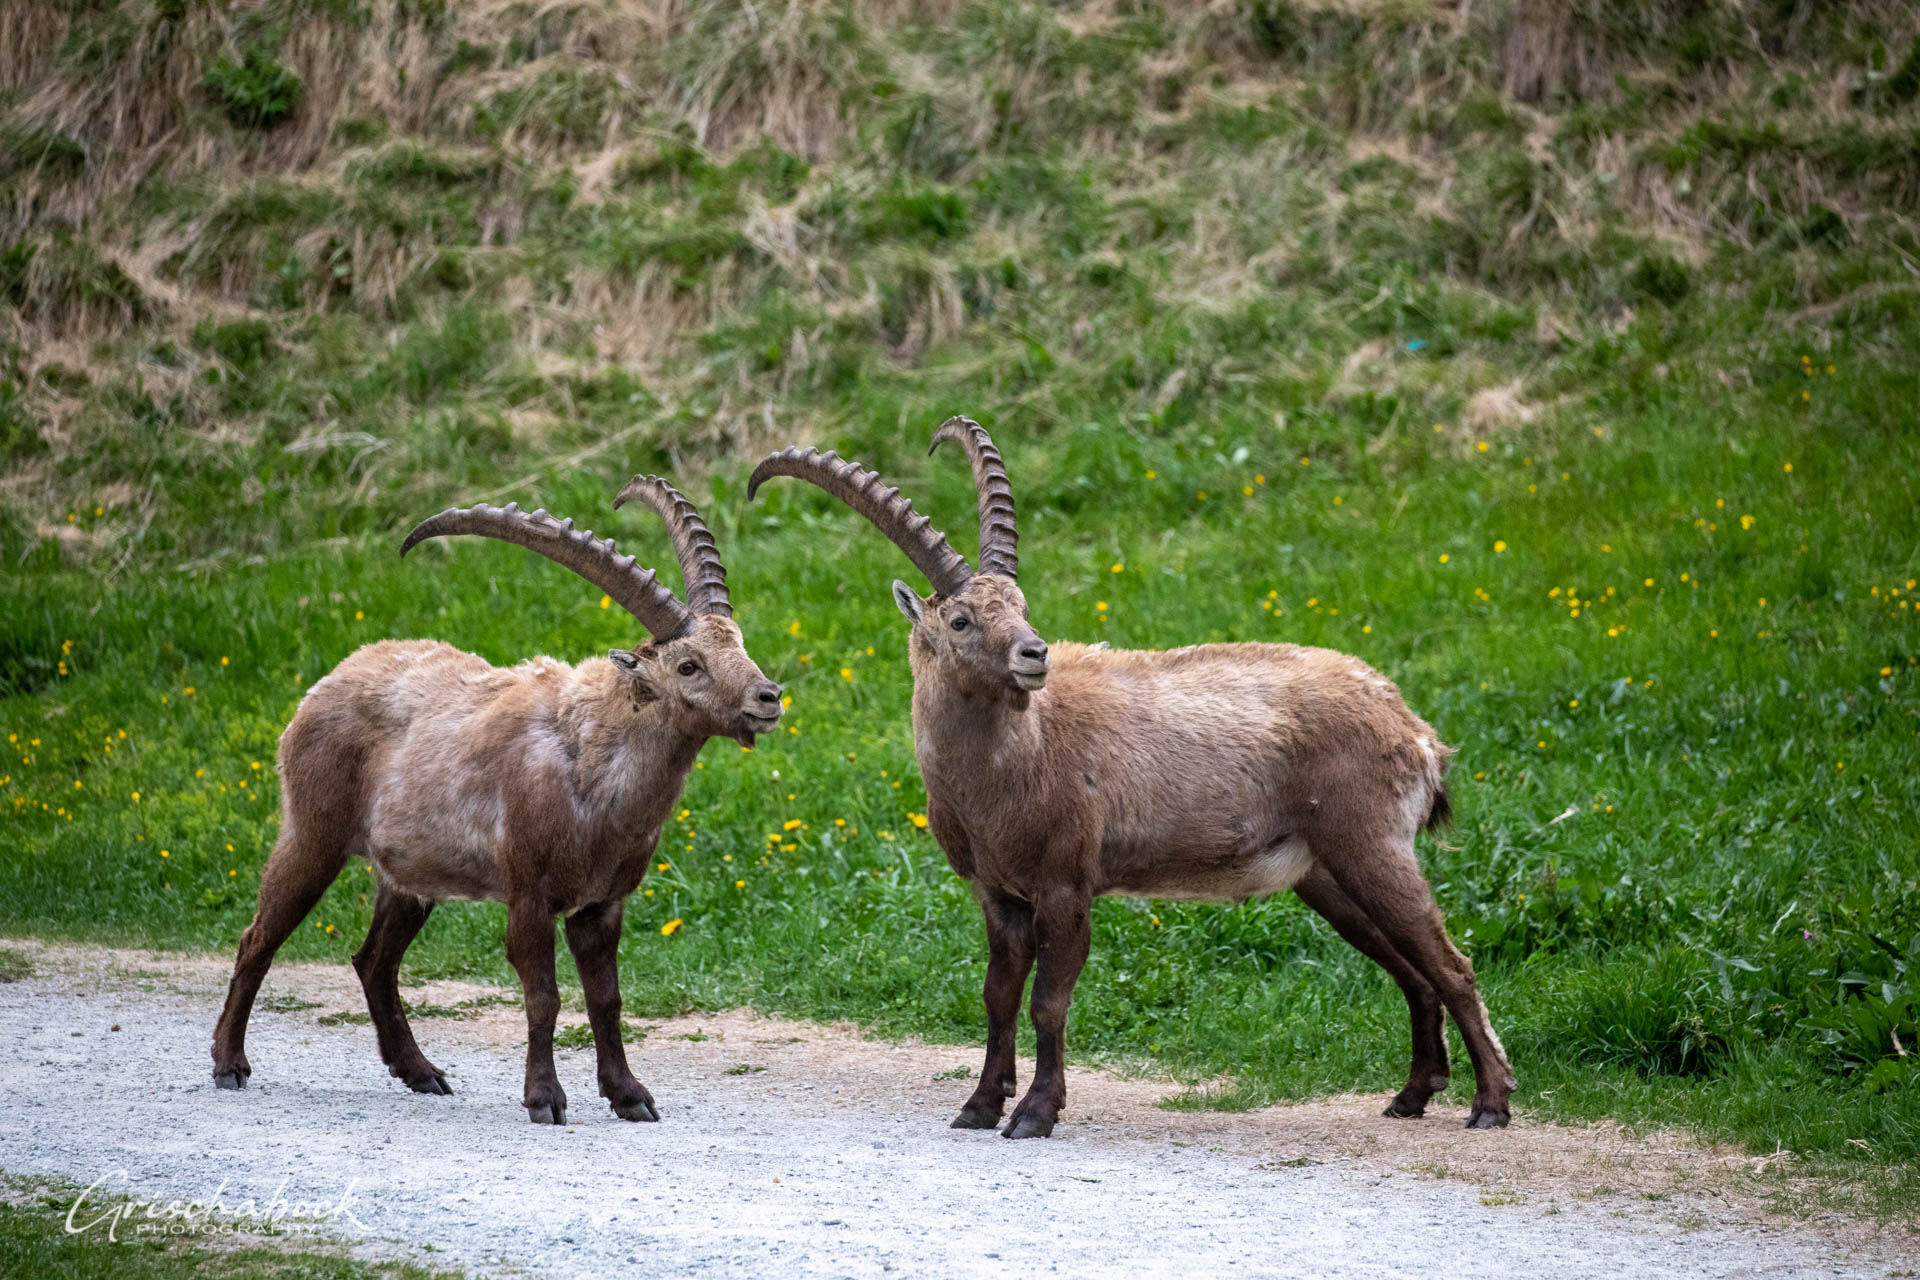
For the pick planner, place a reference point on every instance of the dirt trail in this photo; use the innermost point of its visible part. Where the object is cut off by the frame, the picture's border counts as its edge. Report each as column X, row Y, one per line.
column 805, row 1150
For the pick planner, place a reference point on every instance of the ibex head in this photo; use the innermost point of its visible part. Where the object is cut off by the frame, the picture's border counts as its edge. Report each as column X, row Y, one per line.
column 979, row 635
column 973, row 626
column 696, row 664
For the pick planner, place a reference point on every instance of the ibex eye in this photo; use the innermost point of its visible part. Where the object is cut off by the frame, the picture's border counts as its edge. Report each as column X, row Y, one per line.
column 959, row 624
column 688, row 668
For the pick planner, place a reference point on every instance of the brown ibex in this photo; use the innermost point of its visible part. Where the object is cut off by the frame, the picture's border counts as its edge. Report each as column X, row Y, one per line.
column 1215, row 772
column 543, row 786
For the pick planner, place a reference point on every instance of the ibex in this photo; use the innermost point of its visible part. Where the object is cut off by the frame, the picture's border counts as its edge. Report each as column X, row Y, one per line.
column 543, row 786
column 1216, row 772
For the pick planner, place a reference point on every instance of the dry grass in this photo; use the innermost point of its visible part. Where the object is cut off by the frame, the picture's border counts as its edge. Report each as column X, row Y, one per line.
column 525, row 120
column 730, row 75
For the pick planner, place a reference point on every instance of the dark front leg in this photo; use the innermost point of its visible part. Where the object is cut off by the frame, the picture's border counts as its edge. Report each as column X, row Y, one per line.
column 594, row 936
column 397, row 919
column 1062, row 933
column 1009, row 958
column 530, row 952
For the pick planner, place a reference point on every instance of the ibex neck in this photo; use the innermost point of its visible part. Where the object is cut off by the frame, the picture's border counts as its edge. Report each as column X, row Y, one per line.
column 638, row 754
column 958, row 730
column 665, row 745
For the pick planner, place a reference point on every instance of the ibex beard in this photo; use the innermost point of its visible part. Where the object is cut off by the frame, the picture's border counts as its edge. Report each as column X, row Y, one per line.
column 543, row 786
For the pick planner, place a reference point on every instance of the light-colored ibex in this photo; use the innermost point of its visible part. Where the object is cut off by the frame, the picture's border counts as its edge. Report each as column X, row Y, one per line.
column 543, row 786
column 1215, row 772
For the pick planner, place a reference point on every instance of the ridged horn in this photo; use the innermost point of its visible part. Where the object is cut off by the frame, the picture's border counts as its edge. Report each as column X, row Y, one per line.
column 639, row 591
column 700, row 567
column 999, row 533
column 888, row 512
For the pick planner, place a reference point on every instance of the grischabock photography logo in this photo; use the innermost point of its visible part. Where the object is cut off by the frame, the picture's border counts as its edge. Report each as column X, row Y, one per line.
column 114, row 1208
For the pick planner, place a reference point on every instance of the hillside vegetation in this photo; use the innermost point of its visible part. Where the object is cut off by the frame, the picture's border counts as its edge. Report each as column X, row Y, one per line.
column 1558, row 358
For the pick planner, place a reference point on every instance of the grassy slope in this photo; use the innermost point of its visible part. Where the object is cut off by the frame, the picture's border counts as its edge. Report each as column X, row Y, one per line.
column 1325, row 325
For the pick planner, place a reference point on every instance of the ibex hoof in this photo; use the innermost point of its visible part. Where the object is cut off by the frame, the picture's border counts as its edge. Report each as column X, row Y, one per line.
column 232, row 1078
column 976, row 1118
column 547, row 1115
column 1029, row 1127
column 636, row 1110
column 1486, row 1118
column 1404, row 1109
column 431, row 1083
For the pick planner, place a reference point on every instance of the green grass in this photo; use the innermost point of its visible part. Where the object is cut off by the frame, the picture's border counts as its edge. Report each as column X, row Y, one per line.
column 1214, row 316
column 34, row 1240
column 14, row 967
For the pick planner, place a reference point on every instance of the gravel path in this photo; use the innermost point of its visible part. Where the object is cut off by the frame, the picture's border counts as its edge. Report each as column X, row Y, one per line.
column 805, row 1151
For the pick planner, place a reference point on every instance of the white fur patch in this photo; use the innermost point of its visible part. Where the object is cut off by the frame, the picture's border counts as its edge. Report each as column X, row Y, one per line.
column 1272, row 870
column 1415, row 804
column 1280, row 867
column 1372, row 679
column 1494, row 1036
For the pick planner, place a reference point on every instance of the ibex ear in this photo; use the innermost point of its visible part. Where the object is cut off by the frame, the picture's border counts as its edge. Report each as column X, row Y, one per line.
column 909, row 602
column 635, row 672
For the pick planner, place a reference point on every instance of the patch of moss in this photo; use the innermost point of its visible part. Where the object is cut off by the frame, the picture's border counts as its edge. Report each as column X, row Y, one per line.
column 256, row 92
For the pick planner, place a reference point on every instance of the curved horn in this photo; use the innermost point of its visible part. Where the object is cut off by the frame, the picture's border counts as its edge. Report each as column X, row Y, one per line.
column 890, row 513
column 999, row 534
column 700, row 567
column 639, row 591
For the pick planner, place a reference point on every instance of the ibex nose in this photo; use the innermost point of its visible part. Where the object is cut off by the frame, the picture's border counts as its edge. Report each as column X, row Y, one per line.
column 1033, row 651
column 768, row 694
